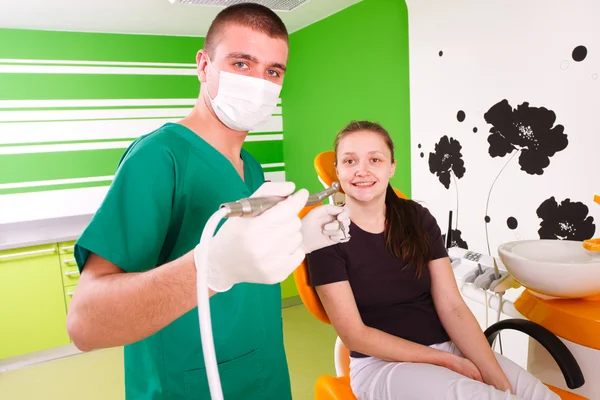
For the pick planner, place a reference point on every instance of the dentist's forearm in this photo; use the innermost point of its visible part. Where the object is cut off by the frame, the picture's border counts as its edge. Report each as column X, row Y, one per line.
column 115, row 309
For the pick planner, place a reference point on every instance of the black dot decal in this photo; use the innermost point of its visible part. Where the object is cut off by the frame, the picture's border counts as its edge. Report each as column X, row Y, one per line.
column 487, row 219
column 441, row 53
column 419, row 145
column 475, row 130
column 460, row 116
column 512, row 223
column 579, row 53
column 422, row 155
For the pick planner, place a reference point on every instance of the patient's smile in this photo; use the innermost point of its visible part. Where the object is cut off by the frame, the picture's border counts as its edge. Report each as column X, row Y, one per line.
column 364, row 184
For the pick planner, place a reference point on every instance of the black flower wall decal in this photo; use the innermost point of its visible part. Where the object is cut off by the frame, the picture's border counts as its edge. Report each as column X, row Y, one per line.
column 567, row 221
column 447, row 160
column 530, row 130
column 456, row 240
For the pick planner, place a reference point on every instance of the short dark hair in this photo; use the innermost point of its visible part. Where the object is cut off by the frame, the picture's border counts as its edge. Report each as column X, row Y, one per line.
column 250, row 15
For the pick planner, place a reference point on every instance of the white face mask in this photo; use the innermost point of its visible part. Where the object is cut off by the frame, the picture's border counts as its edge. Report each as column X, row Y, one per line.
column 243, row 103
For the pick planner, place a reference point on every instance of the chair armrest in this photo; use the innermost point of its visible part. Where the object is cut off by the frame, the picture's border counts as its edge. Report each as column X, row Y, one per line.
column 557, row 349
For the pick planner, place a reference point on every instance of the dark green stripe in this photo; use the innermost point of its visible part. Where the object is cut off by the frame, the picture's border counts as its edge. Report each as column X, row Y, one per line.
column 52, row 45
column 266, row 152
column 32, row 167
column 274, row 169
column 93, row 87
column 54, row 187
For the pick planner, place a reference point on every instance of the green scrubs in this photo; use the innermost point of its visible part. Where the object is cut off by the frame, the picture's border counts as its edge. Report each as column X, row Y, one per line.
column 168, row 184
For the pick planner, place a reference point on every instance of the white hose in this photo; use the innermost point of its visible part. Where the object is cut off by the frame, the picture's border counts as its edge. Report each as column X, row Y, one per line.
column 208, row 344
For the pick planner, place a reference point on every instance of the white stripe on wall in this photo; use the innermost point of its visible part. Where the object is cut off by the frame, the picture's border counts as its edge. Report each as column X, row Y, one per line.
column 264, row 138
column 68, row 131
column 278, row 176
column 60, row 69
column 72, row 115
column 83, row 62
column 95, row 103
column 50, row 204
column 273, row 124
column 53, row 182
column 274, row 165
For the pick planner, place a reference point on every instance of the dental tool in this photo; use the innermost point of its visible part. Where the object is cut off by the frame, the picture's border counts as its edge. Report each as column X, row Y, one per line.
column 248, row 207
column 254, row 206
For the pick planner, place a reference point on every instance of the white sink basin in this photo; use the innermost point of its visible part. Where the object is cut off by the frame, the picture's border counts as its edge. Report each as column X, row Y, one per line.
column 553, row 268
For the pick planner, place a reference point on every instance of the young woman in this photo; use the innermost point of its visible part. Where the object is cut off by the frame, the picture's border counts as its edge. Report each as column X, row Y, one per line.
column 391, row 295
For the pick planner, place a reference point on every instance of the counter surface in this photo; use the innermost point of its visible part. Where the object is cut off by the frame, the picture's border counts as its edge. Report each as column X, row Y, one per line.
column 34, row 233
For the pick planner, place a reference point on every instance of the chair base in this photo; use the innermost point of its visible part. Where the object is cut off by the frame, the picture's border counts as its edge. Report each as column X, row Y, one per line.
column 330, row 388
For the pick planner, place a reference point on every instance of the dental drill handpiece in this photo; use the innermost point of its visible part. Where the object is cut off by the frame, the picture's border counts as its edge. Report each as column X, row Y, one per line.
column 254, row 206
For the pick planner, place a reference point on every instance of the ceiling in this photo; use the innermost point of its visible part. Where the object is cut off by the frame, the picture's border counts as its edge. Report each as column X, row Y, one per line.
column 140, row 16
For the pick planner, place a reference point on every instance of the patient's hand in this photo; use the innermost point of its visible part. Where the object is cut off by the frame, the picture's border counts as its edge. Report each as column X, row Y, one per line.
column 500, row 382
column 464, row 367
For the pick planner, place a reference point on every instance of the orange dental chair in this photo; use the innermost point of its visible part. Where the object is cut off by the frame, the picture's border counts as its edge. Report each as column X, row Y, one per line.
column 338, row 388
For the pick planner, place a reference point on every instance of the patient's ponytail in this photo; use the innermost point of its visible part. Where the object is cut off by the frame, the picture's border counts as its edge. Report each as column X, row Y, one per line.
column 405, row 235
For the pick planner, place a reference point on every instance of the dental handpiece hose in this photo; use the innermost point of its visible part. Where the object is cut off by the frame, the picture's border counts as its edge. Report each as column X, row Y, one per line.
column 249, row 207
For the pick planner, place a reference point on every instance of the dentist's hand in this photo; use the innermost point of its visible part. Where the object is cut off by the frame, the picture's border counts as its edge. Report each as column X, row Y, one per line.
column 263, row 249
column 324, row 226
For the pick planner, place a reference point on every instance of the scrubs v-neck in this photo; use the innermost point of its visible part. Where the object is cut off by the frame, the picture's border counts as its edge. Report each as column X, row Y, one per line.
column 168, row 183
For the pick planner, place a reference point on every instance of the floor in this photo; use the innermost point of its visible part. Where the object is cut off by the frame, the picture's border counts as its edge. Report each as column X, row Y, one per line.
column 99, row 375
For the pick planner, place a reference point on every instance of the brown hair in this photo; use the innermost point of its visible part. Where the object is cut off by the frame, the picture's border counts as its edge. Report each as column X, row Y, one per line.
column 251, row 15
column 405, row 236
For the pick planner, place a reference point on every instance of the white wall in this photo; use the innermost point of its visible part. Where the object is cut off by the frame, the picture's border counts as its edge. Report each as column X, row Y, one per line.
column 497, row 56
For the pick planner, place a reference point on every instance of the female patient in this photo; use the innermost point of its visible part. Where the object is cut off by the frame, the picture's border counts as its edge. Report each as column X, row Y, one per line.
column 391, row 295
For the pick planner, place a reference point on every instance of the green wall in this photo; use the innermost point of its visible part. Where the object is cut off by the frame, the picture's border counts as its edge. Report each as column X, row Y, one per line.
column 352, row 65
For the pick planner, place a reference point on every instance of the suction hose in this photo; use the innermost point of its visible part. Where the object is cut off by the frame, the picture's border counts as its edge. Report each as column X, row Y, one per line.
column 249, row 207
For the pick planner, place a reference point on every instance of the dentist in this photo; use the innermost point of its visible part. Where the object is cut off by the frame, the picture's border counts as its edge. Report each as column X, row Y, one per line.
column 138, row 280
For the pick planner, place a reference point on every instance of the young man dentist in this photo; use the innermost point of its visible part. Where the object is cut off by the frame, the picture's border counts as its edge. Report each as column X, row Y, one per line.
column 138, row 280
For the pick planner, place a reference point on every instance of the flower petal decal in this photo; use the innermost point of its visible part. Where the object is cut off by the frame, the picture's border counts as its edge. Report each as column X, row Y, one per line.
column 528, row 129
column 567, row 221
column 447, row 159
column 456, row 239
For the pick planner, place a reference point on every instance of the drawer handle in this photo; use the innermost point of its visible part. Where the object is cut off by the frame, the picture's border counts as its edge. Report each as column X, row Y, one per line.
column 70, row 294
column 67, row 248
column 72, row 273
column 71, row 260
column 27, row 253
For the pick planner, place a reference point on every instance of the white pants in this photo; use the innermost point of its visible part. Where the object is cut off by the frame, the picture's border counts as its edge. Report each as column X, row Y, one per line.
column 375, row 379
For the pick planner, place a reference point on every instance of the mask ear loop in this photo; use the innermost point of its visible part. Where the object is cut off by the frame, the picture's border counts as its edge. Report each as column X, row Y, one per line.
column 209, row 62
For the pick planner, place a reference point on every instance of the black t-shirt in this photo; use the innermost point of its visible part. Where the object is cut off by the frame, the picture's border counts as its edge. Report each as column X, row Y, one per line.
column 389, row 296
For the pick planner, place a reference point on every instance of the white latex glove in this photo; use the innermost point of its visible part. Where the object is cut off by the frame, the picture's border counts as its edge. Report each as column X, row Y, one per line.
column 324, row 226
column 264, row 249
